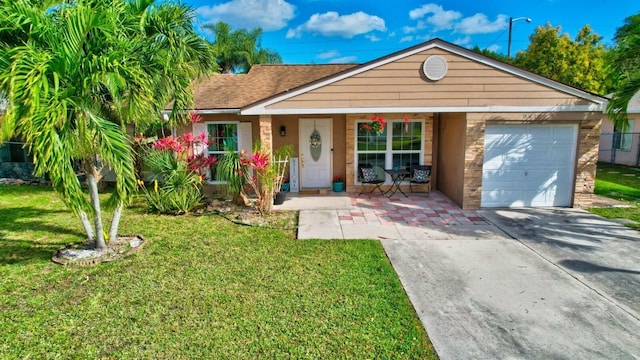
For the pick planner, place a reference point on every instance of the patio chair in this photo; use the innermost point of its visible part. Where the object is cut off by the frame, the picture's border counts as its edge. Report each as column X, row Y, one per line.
column 369, row 176
column 420, row 175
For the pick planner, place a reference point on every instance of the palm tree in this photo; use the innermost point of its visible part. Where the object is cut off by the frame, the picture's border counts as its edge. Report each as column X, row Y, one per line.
column 236, row 51
column 625, row 69
column 75, row 73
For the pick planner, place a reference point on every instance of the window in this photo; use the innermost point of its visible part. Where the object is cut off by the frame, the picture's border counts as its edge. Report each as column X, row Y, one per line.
column 400, row 144
column 223, row 137
column 623, row 140
column 14, row 151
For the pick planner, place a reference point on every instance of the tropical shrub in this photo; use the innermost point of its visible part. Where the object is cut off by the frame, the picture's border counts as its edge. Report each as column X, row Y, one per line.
column 177, row 166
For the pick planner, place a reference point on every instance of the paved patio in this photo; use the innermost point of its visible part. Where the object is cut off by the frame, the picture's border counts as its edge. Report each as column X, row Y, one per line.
column 419, row 216
column 433, row 209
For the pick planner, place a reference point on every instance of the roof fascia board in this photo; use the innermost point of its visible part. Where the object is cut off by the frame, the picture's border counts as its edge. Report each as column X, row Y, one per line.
column 469, row 109
column 427, row 46
column 209, row 111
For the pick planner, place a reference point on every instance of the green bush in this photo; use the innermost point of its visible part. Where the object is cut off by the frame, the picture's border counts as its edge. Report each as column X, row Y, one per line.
column 176, row 189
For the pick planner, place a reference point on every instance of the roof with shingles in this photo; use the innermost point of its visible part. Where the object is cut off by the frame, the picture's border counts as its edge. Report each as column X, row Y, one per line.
column 234, row 91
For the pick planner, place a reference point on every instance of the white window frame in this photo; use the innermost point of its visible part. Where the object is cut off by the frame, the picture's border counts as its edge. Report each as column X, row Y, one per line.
column 203, row 126
column 389, row 152
column 626, row 138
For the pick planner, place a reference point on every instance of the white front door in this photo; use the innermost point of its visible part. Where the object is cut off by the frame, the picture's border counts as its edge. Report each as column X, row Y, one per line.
column 528, row 165
column 315, row 153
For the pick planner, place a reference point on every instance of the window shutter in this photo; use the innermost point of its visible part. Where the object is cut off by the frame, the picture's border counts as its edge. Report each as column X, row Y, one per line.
column 244, row 137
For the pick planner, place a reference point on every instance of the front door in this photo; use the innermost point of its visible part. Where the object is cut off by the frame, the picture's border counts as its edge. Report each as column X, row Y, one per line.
column 316, row 150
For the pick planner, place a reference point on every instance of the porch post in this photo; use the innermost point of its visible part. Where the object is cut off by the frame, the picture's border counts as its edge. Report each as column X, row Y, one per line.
column 266, row 133
column 266, row 144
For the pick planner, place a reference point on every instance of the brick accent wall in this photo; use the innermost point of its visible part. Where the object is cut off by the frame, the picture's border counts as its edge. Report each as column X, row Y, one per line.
column 266, row 132
column 588, row 141
column 473, row 158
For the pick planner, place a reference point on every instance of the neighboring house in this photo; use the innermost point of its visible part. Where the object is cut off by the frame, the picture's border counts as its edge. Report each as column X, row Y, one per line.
column 622, row 148
column 495, row 135
column 15, row 162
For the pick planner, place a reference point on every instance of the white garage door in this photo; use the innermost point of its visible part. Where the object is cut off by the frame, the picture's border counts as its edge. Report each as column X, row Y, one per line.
column 528, row 165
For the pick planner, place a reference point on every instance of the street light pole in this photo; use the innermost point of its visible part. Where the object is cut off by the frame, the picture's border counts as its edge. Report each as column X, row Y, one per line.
column 511, row 20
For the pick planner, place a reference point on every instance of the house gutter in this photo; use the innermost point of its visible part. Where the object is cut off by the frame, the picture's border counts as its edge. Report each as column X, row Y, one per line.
column 208, row 111
column 471, row 109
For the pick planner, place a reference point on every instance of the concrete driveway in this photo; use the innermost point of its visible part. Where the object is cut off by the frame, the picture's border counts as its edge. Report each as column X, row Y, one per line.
column 566, row 287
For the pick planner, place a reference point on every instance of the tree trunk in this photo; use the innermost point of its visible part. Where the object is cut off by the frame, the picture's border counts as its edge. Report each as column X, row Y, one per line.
column 115, row 222
column 87, row 228
column 95, row 203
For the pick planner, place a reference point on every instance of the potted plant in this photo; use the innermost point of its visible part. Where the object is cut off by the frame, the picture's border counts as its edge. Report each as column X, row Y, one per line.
column 285, row 184
column 338, row 183
column 280, row 166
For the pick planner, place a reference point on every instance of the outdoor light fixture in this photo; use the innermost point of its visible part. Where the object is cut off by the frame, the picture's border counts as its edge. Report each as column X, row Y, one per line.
column 283, row 130
column 511, row 20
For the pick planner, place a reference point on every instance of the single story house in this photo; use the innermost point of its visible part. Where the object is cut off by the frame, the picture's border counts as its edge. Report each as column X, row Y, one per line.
column 495, row 135
column 622, row 148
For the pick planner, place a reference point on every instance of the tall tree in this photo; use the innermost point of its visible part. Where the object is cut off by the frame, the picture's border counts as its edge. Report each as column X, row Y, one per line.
column 75, row 73
column 491, row 54
column 579, row 62
column 236, row 51
column 624, row 67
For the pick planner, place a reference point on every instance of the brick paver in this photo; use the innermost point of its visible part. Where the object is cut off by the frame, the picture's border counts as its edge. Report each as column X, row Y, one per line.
column 433, row 209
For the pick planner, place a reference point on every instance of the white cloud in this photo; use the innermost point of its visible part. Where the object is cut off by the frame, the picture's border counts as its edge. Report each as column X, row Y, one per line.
column 328, row 54
column 333, row 24
column 436, row 16
column 344, row 60
column 479, row 24
column 494, row 48
column 462, row 41
column 406, row 38
column 409, row 29
column 266, row 14
column 372, row 38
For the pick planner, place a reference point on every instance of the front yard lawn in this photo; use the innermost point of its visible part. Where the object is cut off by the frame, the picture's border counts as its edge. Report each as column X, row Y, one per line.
column 201, row 288
column 620, row 183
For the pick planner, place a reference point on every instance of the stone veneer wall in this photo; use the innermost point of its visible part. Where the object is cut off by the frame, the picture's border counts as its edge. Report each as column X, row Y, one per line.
column 350, row 138
column 266, row 132
column 473, row 159
column 589, row 135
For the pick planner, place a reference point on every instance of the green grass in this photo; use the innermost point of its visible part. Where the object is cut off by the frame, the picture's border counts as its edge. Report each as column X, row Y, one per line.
column 201, row 287
column 612, row 183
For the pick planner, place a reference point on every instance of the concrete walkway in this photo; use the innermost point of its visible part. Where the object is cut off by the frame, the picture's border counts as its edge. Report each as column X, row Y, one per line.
column 534, row 283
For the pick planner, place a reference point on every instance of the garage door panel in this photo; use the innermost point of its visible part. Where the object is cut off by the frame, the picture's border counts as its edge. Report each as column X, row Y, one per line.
column 528, row 165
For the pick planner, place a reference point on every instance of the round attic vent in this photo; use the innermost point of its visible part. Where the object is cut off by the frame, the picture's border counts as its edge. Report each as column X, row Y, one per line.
column 435, row 67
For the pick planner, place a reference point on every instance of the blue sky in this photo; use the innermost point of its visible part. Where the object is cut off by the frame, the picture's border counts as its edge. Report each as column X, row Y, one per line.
column 357, row 31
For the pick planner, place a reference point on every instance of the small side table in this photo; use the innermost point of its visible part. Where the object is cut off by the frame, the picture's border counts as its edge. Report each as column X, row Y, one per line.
column 397, row 176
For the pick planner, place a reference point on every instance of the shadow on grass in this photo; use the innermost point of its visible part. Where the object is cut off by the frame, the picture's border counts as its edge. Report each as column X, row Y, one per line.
column 15, row 251
column 18, row 220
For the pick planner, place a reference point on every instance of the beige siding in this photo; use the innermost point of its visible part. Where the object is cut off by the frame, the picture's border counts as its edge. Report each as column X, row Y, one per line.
column 451, row 145
column 402, row 84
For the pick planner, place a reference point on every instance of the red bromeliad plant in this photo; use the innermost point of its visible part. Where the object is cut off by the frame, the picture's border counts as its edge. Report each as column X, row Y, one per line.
column 262, row 182
column 190, row 148
column 376, row 125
